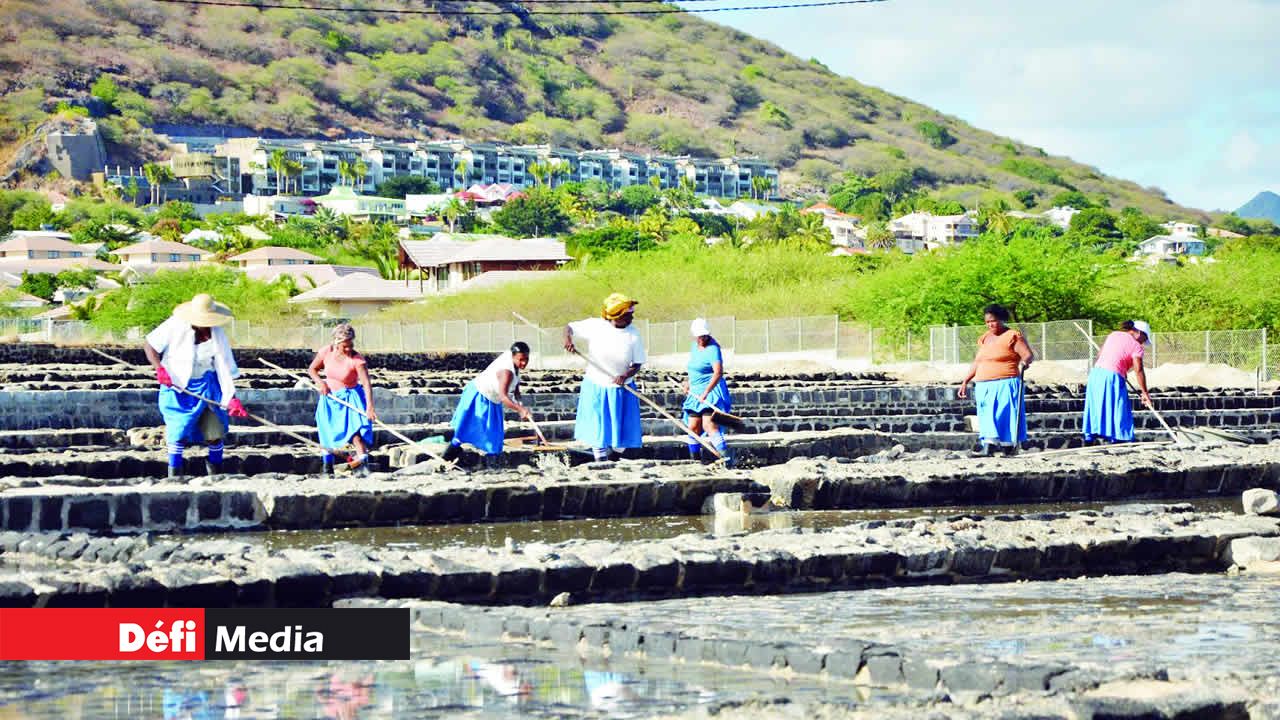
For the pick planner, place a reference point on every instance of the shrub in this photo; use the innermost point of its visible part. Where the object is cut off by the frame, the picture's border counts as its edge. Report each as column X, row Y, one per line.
column 148, row 304
column 936, row 135
column 1033, row 170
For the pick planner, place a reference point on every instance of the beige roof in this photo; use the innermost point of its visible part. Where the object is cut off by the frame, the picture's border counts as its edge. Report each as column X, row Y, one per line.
column 54, row 265
column 361, row 286
column 21, row 297
column 41, row 240
column 251, row 232
column 61, row 312
column 159, row 246
column 275, row 253
column 320, row 274
column 440, row 250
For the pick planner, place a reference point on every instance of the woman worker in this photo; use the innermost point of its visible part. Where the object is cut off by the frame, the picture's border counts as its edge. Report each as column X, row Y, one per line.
column 1108, row 412
column 707, row 391
column 1003, row 355
column 346, row 380
column 608, row 416
column 190, row 351
column 478, row 417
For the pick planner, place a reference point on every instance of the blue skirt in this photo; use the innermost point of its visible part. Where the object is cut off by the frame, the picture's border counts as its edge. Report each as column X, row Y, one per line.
column 182, row 412
column 1002, row 416
column 718, row 398
column 477, row 421
column 336, row 423
column 608, row 417
column 1108, row 412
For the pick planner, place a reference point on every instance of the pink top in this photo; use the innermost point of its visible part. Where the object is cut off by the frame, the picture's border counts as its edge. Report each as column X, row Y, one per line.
column 341, row 371
column 1119, row 352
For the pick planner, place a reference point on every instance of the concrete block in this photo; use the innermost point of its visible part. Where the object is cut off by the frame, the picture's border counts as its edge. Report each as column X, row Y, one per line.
column 1258, row 501
column 1253, row 550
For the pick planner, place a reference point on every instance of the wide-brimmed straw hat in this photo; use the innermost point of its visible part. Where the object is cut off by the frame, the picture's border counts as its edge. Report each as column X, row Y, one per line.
column 203, row 311
column 617, row 305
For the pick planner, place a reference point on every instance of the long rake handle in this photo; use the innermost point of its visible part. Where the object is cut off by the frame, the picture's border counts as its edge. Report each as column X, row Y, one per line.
column 360, row 412
column 251, row 416
column 591, row 361
column 1176, row 438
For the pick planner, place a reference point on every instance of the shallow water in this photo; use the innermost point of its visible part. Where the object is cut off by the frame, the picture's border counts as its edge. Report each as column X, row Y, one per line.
column 447, row 676
column 650, row 528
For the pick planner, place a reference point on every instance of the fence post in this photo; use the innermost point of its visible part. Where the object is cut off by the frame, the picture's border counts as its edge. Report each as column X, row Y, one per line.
column 734, row 325
column 871, row 345
column 1266, row 369
column 1044, row 339
column 766, row 337
column 1206, row 347
column 908, row 344
column 800, row 335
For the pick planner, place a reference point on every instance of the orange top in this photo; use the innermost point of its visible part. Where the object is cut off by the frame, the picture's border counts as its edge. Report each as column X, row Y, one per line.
column 997, row 359
column 341, row 371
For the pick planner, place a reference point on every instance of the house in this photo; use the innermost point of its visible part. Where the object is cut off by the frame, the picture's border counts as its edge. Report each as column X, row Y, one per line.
column 267, row 256
column 42, row 244
column 1061, row 216
column 427, row 206
column 498, row 278
column 160, row 253
column 1181, row 229
column 306, row 276
column 344, row 201
column 278, row 207
column 495, row 194
column 358, row 294
column 448, row 260
column 843, row 227
column 1170, row 246
column 925, row 231
column 11, row 269
column 70, row 295
column 750, row 210
column 23, row 301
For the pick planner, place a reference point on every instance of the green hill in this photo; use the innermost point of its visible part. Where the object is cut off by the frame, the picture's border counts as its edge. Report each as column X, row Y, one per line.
column 671, row 83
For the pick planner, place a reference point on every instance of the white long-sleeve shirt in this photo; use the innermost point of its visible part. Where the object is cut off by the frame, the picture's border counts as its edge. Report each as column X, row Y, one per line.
column 175, row 340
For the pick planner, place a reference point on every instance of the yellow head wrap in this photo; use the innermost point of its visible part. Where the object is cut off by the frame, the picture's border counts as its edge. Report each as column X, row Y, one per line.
column 615, row 306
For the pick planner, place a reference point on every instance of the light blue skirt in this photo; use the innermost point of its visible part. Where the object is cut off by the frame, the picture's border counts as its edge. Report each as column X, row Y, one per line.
column 718, row 398
column 336, row 423
column 608, row 417
column 1002, row 416
column 182, row 412
column 477, row 421
column 1108, row 412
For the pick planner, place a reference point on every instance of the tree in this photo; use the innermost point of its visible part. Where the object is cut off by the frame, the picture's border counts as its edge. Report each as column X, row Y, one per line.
column 635, row 199
column 1135, row 226
column 536, row 214
column 106, row 90
column 1026, row 197
column 131, row 189
column 936, row 135
column 458, row 212
column 994, row 218
column 278, row 161
column 292, row 171
column 1094, row 222
column 42, row 285
column 1072, row 198
column 83, row 279
column 879, row 236
column 345, row 172
column 947, row 207
column 619, row 236
column 157, row 175
column 539, row 172
column 402, row 185
column 761, row 186
column 359, row 171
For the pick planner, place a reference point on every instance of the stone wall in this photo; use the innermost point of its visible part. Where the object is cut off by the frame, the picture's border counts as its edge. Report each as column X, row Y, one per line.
column 26, row 353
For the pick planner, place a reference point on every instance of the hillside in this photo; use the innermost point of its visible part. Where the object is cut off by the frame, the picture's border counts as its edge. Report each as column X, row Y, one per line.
column 1264, row 206
column 668, row 83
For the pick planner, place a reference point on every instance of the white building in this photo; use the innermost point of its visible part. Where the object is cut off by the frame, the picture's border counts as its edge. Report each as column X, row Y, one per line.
column 1181, row 229
column 42, row 244
column 1061, row 216
column 844, row 228
column 1170, row 247
column 448, row 260
column 919, row 231
column 154, row 253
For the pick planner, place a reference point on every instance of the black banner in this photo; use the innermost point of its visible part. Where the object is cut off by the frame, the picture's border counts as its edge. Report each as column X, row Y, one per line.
column 307, row 634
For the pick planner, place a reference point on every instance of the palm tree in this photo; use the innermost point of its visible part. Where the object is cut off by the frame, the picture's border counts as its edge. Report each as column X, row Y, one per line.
column 156, row 175
column 879, row 236
column 344, row 171
column 453, row 211
column 293, row 169
column 539, row 171
column 330, row 223
column 995, row 218
column 359, row 171
column 278, row 162
column 460, row 168
column 555, row 170
column 761, row 185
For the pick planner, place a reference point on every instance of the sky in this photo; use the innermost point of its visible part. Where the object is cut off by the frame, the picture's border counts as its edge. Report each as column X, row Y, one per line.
column 1180, row 94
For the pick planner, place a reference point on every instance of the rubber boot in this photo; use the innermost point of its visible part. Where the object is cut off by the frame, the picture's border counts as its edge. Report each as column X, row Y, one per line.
column 326, row 466
column 452, row 453
column 212, row 470
column 491, row 462
column 175, row 472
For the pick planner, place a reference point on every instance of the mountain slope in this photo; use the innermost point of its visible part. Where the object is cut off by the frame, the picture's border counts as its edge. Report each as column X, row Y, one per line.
column 669, row 83
column 1265, row 206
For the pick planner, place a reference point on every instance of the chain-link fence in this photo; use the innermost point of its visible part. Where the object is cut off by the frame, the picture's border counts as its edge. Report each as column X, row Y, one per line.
column 811, row 336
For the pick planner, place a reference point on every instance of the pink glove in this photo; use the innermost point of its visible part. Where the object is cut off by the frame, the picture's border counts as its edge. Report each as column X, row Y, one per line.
column 235, row 408
column 162, row 376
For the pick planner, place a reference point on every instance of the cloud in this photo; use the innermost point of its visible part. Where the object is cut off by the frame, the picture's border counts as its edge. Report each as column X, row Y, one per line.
column 1159, row 92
